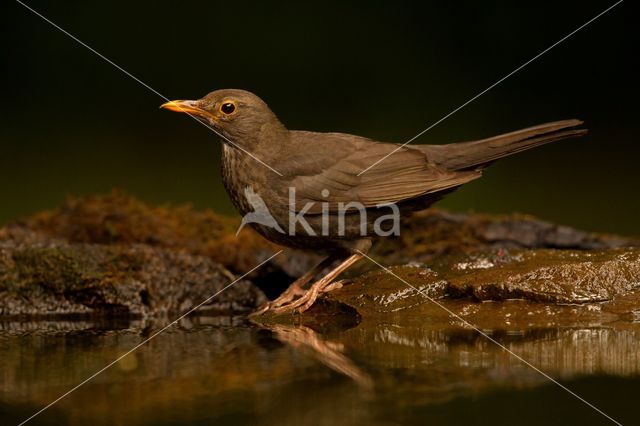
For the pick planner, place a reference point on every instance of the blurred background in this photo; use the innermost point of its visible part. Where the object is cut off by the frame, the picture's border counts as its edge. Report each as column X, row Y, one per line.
column 74, row 124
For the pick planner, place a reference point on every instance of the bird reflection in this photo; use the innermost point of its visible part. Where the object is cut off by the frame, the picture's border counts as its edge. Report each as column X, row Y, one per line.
column 328, row 353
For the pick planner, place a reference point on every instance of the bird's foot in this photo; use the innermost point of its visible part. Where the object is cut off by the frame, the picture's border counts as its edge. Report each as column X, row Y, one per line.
column 306, row 300
column 287, row 303
column 294, row 290
column 296, row 299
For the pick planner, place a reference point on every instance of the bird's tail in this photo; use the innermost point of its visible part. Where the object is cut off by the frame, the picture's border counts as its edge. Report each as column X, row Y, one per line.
column 481, row 153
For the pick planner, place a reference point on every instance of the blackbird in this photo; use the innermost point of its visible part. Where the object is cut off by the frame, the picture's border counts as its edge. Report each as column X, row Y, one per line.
column 319, row 191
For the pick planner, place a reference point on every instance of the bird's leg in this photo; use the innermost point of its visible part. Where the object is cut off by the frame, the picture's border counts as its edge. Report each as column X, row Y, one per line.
column 295, row 289
column 305, row 301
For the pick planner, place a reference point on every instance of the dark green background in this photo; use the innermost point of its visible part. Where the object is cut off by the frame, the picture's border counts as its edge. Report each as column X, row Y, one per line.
column 73, row 124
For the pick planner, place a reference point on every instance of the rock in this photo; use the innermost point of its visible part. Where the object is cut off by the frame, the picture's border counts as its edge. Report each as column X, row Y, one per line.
column 44, row 277
column 382, row 293
column 119, row 219
column 575, row 286
column 557, row 276
column 469, row 255
column 433, row 234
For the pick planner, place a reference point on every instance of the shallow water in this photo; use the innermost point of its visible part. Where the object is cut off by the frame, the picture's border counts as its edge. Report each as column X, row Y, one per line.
column 227, row 370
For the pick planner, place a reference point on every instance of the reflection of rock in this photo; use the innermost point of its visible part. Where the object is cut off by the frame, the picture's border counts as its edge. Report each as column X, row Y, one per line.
column 208, row 368
column 560, row 352
column 435, row 363
column 217, row 369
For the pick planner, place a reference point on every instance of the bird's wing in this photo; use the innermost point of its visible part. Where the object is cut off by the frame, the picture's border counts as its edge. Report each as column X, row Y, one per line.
column 333, row 162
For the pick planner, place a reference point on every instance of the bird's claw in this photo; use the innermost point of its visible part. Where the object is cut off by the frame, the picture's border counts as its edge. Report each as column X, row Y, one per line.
column 289, row 303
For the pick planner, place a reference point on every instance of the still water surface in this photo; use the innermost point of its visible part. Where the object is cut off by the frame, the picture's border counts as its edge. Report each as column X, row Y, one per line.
column 227, row 370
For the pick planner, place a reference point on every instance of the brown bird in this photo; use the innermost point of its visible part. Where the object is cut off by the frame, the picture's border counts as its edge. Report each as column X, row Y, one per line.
column 319, row 191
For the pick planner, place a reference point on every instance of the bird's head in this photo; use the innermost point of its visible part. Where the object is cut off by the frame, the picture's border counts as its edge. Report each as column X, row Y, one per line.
column 240, row 116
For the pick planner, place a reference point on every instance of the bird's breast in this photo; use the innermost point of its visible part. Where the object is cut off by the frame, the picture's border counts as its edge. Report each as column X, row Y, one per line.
column 241, row 178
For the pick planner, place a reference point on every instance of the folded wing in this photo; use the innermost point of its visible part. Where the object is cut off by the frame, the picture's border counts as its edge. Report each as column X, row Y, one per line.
column 404, row 175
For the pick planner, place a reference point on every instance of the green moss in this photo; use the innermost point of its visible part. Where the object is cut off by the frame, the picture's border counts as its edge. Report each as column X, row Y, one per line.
column 119, row 219
column 70, row 268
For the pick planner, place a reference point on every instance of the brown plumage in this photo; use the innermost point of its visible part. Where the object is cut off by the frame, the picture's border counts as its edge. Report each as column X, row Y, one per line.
column 483, row 152
column 325, row 170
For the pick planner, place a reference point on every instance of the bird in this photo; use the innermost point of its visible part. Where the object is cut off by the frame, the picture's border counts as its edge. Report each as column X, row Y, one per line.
column 308, row 178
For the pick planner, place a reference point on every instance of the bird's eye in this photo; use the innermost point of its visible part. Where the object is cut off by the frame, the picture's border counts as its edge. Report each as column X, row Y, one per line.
column 228, row 107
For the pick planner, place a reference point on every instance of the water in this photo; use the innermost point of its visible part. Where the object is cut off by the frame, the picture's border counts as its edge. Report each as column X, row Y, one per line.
column 227, row 370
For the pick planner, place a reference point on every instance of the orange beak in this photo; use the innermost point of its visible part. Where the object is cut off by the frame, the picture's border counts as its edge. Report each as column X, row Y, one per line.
column 189, row 107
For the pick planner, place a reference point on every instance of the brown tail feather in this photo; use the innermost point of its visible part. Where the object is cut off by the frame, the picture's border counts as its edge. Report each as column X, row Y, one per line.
column 481, row 153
